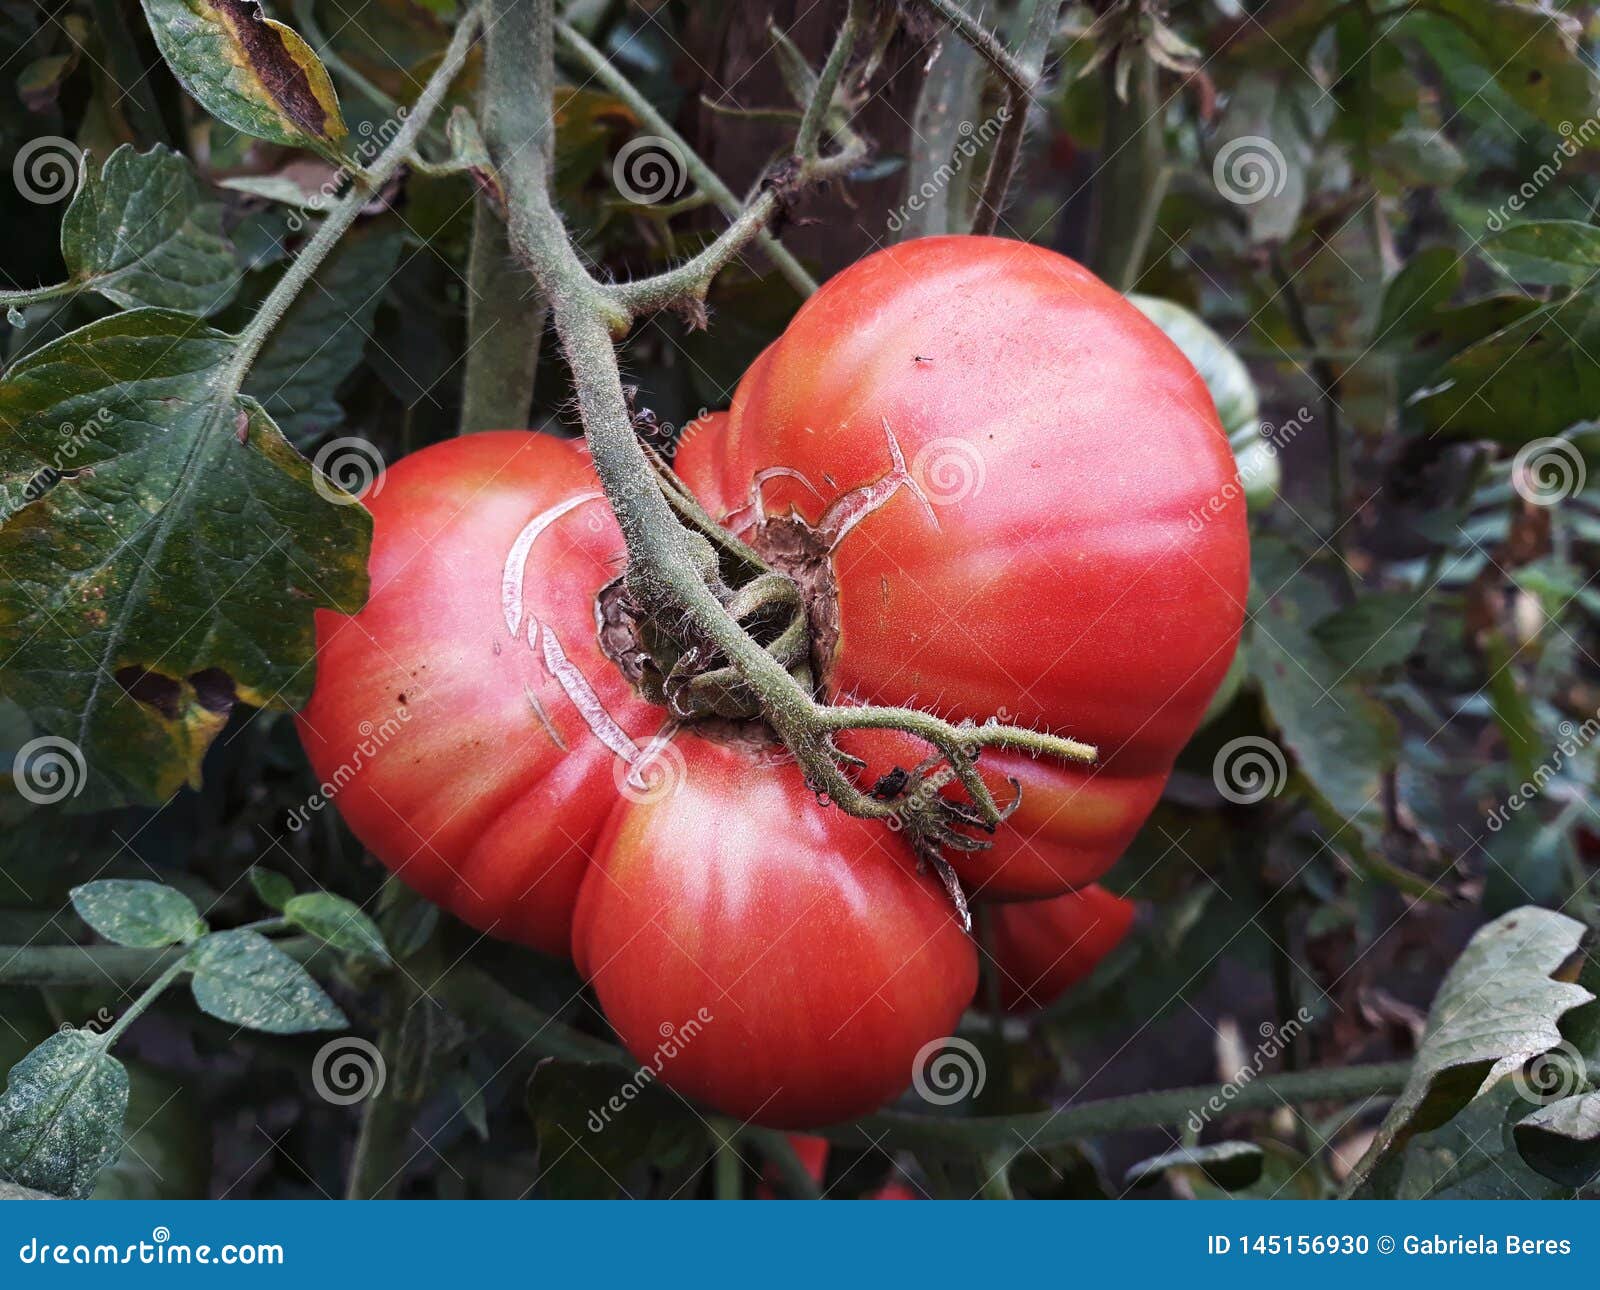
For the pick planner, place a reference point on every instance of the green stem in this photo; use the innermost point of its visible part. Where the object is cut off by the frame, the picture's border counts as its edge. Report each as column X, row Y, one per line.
column 505, row 320
column 35, row 295
column 727, row 1167
column 598, row 66
column 1133, row 178
column 947, row 100
column 1041, row 1130
column 780, row 1153
column 113, row 965
column 151, row 994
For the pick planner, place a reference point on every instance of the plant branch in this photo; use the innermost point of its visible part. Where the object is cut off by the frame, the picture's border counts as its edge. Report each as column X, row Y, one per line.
column 703, row 176
column 505, row 320
column 1133, row 177
column 115, row 965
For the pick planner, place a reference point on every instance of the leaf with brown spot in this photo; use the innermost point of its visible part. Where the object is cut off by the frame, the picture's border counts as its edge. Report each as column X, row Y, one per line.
column 248, row 71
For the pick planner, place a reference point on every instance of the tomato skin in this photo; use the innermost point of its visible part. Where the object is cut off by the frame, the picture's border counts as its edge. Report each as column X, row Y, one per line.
column 469, row 798
column 1082, row 562
column 824, row 959
column 1043, row 948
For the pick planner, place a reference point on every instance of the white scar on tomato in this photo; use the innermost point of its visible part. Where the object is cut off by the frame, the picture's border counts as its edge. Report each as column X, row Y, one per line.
column 566, row 673
column 515, row 572
column 846, row 511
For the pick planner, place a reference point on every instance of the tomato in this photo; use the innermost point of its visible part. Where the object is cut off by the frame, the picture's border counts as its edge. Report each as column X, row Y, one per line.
column 1044, row 947
column 1010, row 495
column 755, row 947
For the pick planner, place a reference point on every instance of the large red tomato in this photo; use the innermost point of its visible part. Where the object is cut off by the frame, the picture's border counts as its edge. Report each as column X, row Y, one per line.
column 1011, row 493
column 1042, row 948
column 752, row 946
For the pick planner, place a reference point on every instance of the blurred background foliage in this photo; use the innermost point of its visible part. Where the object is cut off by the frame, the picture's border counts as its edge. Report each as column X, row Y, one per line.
column 1422, row 648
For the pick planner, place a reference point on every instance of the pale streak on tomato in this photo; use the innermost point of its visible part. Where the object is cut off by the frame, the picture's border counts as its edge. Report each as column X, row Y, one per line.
column 516, row 567
column 853, row 507
column 577, row 688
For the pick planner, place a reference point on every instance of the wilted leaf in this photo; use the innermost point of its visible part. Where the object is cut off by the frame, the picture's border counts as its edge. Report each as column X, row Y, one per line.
column 243, row 978
column 175, row 563
column 61, row 1115
column 1496, row 1009
column 248, row 71
column 337, row 921
column 132, row 911
column 140, row 233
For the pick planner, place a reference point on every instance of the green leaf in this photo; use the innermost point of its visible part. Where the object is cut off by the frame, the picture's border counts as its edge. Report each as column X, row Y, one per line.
column 141, row 234
column 1342, row 738
column 1230, row 1165
column 248, row 71
column 1554, row 253
column 320, row 339
column 61, row 1115
column 243, row 978
column 1496, row 1009
column 175, row 564
column 1424, row 284
column 274, row 890
column 596, row 1123
column 1472, row 1157
column 1382, row 629
column 1532, row 53
column 1562, row 1140
column 1528, row 381
column 132, row 911
column 337, row 921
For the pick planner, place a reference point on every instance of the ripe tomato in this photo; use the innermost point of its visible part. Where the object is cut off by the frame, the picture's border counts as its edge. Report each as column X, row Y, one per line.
column 1044, row 947
column 759, row 949
column 1010, row 492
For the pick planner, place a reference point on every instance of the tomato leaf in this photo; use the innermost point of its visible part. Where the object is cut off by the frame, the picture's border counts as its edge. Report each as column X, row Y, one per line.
column 1496, row 1009
column 274, row 890
column 243, row 978
column 319, row 341
column 61, row 1115
column 337, row 921
column 1555, row 252
column 248, row 71
column 1562, row 1140
column 1531, row 52
column 166, row 558
column 1472, row 1157
column 1229, row 1165
column 132, row 911
column 140, row 233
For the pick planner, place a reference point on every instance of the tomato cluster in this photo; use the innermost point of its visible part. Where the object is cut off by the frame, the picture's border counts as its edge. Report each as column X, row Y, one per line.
column 983, row 465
